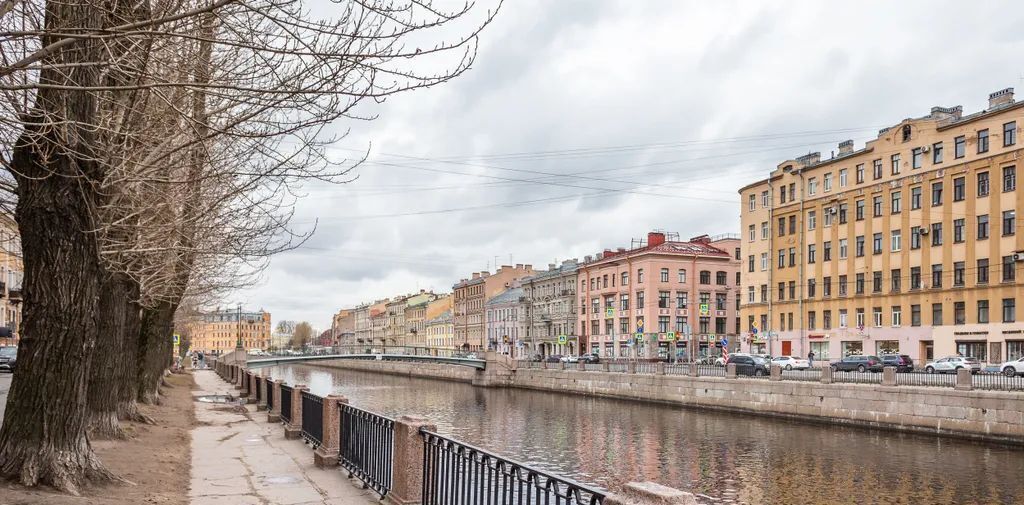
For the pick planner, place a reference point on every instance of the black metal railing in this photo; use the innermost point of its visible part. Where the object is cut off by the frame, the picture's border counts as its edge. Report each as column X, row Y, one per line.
column 367, row 447
column 998, row 382
column 674, row 369
column 259, row 387
column 646, row 367
column 925, row 379
column 270, row 394
column 857, row 377
column 312, row 419
column 810, row 375
column 455, row 473
column 286, row 404
column 710, row 371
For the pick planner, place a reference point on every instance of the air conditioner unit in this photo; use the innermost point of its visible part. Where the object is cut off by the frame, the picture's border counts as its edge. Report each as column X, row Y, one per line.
column 923, row 231
column 833, row 210
column 926, row 149
column 1018, row 256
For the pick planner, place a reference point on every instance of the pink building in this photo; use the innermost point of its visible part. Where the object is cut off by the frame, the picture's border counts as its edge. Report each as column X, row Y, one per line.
column 662, row 297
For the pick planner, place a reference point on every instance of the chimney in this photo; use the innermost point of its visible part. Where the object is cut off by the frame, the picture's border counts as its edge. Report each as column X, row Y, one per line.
column 621, row 250
column 503, row 267
column 1000, row 98
column 551, row 266
column 809, row 159
column 476, row 275
column 599, row 256
column 485, row 274
column 607, row 253
column 528, row 267
column 587, row 258
column 519, row 266
column 701, row 239
column 947, row 113
column 655, row 238
column 845, row 147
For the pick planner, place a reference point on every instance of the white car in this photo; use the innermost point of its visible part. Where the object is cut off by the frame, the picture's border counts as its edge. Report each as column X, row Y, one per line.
column 791, row 363
column 570, row 359
column 1011, row 368
column 952, row 364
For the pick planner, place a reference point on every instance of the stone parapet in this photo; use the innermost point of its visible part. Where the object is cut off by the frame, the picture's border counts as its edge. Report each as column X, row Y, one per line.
column 649, row 493
column 409, row 446
column 293, row 429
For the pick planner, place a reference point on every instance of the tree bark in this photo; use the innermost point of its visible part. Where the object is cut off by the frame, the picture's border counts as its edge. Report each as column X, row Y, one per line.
column 108, row 376
column 128, row 374
column 155, row 347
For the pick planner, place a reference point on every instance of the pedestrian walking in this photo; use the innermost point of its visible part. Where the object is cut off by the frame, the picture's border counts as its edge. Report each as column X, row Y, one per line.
column 810, row 359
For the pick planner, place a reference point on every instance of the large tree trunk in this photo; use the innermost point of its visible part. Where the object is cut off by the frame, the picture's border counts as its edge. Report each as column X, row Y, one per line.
column 127, row 375
column 107, row 376
column 155, row 347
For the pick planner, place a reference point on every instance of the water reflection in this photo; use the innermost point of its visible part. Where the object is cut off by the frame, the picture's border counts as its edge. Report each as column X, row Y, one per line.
column 729, row 458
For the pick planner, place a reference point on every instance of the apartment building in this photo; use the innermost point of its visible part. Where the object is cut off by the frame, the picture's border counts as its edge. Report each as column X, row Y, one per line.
column 11, row 274
column 438, row 327
column 551, row 302
column 507, row 324
column 219, row 331
column 471, row 294
column 415, row 316
column 661, row 297
column 343, row 327
column 910, row 244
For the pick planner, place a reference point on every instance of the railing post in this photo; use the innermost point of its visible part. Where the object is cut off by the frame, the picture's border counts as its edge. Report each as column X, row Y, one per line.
column 631, row 367
column 327, row 454
column 606, row 366
column 659, row 368
column 545, row 364
column 261, row 400
column 252, row 387
column 407, row 463
column 889, row 376
column 775, row 373
column 274, row 414
column 293, row 429
column 561, row 365
column 239, row 377
column 730, row 371
column 694, row 370
column 649, row 493
column 964, row 380
column 826, row 375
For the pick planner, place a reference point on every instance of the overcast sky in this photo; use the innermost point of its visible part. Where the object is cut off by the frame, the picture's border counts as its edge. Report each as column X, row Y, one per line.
column 653, row 112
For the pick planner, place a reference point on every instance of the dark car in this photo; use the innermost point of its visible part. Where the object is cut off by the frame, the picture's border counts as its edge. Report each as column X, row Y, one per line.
column 554, row 358
column 902, row 362
column 859, row 364
column 590, row 358
column 8, row 357
column 750, row 365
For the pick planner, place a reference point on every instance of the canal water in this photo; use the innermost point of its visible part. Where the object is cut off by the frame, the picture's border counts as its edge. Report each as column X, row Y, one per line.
column 726, row 458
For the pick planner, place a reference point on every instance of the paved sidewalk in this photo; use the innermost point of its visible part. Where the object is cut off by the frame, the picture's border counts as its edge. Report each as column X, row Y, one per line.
column 241, row 459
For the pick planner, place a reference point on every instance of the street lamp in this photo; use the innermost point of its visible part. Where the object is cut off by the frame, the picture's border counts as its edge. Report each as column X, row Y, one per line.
column 238, row 342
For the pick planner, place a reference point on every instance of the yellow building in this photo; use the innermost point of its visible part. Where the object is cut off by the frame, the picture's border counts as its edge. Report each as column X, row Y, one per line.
column 11, row 275
column 909, row 244
column 218, row 332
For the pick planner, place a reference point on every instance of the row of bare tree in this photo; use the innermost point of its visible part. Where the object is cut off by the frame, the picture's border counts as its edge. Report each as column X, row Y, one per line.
column 151, row 152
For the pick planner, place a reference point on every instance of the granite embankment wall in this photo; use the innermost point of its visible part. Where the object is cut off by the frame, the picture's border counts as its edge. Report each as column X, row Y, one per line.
column 984, row 415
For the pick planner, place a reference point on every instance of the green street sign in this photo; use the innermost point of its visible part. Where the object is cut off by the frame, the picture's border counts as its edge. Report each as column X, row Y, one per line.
column 671, row 335
column 609, row 312
column 639, row 337
column 562, row 339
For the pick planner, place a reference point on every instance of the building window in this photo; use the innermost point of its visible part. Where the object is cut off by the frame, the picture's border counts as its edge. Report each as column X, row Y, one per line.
column 811, row 322
column 843, row 248
column 959, row 189
column 1009, row 269
column 764, row 261
column 1009, row 179
column 915, row 198
column 915, row 278
column 842, row 318
column 810, row 253
column 826, row 251
column 812, row 186
column 782, row 291
column 664, row 275
column 826, row 286
column 663, row 297
column 624, row 301
column 860, row 320
column 915, row 315
column 936, row 234
column 876, row 243
column 936, row 194
column 897, row 316
column 860, row 173
column 895, row 202
column 812, row 220
column 876, row 206
column 983, row 185
column 680, row 324
column 959, row 313
column 983, row 227
column 842, row 213
column 782, row 258
column 782, row 227
column 792, row 290
column 982, row 311
column 751, row 203
column 681, row 276
column 843, row 177
column 936, row 314
column 983, row 141
column 1009, row 134
column 896, row 240
column 764, row 230
column 895, row 162
column 958, row 230
column 826, row 319
column 937, row 275
column 826, row 182
column 625, row 279
column 721, row 278
column 705, row 277
column 1009, row 310
column 764, row 199
column 751, row 233
column 937, row 153
column 982, row 271
column 876, row 282
column 959, row 147
column 894, row 276
column 958, row 273
column 859, row 247
column 877, row 169
column 782, row 194
column 792, row 256
column 640, row 276
column 876, row 313
column 1009, row 222
column 859, row 210
column 682, row 299
column 842, row 285
column 639, row 299
column 792, row 224
column 792, row 191
column 859, row 284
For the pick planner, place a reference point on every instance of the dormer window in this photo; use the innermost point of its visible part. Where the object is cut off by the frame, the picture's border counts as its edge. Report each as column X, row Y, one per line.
column 906, row 133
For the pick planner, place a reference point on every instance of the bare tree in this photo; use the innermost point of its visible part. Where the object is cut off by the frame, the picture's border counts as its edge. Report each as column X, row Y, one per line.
column 302, row 336
column 153, row 151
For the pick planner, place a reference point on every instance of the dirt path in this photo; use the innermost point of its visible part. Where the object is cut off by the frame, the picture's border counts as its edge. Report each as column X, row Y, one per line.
column 157, row 459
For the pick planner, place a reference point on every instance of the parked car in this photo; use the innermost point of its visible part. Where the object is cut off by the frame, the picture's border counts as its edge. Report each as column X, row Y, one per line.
column 554, row 358
column 570, row 359
column 1009, row 369
column 257, row 352
column 858, row 363
column 902, row 362
column 590, row 358
column 750, row 365
column 952, row 364
column 8, row 357
column 791, row 363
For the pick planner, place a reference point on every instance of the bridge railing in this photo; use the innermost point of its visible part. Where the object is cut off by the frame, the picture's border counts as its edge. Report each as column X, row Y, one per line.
column 286, row 404
column 367, row 447
column 312, row 419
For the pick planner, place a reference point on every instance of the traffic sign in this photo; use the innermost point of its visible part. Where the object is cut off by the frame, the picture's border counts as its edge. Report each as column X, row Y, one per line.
column 639, row 337
column 705, row 309
column 177, row 339
column 639, row 325
column 609, row 312
column 671, row 335
column 562, row 339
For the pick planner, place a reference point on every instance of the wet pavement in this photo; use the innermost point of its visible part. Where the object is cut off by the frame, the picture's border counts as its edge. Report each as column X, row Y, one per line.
column 724, row 458
column 240, row 459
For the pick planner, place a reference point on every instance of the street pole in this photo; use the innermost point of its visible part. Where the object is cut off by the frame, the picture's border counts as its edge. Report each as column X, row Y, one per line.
column 238, row 342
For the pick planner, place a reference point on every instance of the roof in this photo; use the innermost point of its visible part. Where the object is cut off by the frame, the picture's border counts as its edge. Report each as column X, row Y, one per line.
column 680, row 248
column 511, row 295
column 564, row 269
column 445, row 317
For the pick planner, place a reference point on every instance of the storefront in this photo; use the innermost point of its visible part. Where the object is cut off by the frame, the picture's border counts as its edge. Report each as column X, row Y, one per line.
column 852, row 348
column 1014, row 349
column 609, row 349
column 817, row 344
column 887, row 347
column 972, row 348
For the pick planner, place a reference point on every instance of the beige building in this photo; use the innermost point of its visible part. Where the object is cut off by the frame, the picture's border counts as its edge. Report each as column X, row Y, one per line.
column 470, row 295
column 218, row 331
column 11, row 274
column 343, row 327
column 910, row 244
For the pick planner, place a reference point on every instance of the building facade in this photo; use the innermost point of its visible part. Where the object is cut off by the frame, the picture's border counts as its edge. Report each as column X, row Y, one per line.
column 219, row 331
column 471, row 294
column 507, row 324
column 551, row 311
column 663, row 298
column 11, row 274
column 441, row 331
column 343, row 327
column 910, row 244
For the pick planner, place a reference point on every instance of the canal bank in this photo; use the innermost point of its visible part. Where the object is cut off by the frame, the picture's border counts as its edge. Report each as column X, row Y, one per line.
column 990, row 416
